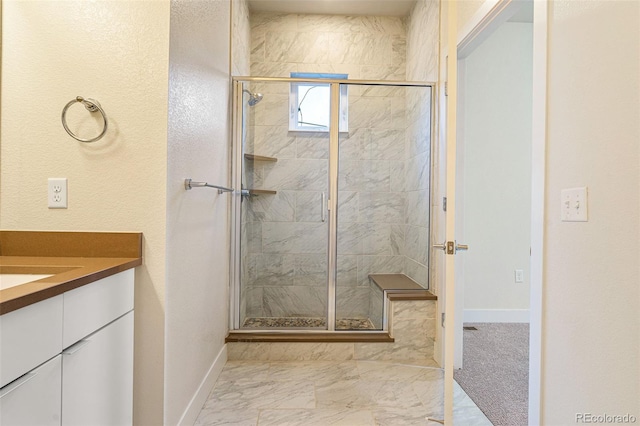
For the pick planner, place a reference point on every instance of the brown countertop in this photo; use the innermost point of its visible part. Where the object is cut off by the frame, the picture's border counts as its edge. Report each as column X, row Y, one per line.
column 73, row 258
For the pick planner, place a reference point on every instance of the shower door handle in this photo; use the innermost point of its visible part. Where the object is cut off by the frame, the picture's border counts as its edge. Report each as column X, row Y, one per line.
column 323, row 207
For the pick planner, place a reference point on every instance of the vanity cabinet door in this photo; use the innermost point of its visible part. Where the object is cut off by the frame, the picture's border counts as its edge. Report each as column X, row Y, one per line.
column 33, row 399
column 91, row 307
column 29, row 337
column 97, row 377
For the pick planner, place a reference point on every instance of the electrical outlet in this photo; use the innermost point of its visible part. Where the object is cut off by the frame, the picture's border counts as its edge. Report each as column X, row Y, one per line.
column 519, row 275
column 57, row 194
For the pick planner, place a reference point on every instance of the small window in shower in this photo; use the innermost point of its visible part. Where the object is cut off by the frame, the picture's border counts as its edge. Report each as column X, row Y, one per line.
column 310, row 102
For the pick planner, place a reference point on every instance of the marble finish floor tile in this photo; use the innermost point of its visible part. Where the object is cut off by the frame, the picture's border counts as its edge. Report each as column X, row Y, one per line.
column 244, row 371
column 317, row 417
column 350, row 393
column 213, row 416
column 380, row 370
column 361, row 393
column 320, row 372
column 248, row 395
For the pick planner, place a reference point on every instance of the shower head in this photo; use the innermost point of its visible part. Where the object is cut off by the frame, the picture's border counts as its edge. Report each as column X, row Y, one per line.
column 254, row 98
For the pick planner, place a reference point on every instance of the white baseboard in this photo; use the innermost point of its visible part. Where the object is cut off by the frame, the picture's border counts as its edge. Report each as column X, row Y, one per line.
column 195, row 405
column 496, row 315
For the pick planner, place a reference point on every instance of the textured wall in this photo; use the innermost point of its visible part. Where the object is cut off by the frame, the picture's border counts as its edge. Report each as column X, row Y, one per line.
column 117, row 53
column 197, row 221
column 591, row 269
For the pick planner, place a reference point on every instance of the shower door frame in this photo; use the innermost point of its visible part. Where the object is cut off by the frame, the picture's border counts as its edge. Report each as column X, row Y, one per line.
column 332, row 201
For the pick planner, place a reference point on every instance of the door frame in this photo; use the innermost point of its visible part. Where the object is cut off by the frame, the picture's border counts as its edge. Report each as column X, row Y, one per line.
column 490, row 16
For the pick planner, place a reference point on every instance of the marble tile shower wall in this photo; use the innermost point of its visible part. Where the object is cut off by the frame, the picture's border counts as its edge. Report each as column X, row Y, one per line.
column 423, row 29
column 381, row 177
column 240, row 38
column 418, row 160
column 365, row 47
column 371, row 196
column 423, row 35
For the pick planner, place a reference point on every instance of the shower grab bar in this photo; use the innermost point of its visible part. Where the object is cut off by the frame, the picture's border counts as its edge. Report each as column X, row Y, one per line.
column 190, row 184
column 323, row 201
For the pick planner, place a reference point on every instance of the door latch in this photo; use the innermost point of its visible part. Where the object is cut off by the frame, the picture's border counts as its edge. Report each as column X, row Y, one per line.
column 451, row 247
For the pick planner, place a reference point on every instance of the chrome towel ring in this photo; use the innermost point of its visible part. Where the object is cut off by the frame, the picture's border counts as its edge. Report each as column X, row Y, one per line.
column 92, row 106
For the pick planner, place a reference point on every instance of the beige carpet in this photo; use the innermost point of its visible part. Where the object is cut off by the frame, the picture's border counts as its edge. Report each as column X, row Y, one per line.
column 495, row 371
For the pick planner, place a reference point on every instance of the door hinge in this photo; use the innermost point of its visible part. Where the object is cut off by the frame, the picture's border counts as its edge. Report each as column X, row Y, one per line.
column 442, row 318
column 444, row 204
column 446, row 88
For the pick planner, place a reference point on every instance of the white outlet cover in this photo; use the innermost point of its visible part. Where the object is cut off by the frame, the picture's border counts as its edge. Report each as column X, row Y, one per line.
column 519, row 275
column 57, row 193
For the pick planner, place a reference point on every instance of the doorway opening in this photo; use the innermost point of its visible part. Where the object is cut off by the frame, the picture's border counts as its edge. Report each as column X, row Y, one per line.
column 499, row 168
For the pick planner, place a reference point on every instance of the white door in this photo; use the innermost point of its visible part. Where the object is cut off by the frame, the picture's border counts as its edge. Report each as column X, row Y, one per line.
column 449, row 245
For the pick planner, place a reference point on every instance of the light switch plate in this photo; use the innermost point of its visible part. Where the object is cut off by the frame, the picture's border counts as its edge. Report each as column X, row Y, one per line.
column 573, row 205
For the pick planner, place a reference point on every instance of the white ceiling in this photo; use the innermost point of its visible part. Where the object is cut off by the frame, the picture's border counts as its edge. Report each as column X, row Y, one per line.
column 335, row 7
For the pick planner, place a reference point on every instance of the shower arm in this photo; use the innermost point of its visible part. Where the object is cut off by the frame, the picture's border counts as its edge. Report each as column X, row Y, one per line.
column 190, row 184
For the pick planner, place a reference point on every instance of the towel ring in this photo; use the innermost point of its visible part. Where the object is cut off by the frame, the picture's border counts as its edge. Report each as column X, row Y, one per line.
column 92, row 106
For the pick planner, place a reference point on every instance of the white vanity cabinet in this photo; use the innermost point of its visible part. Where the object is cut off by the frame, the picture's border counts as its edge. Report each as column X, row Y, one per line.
column 33, row 399
column 97, row 362
column 90, row 377
column 29, row 337
column 97, row 375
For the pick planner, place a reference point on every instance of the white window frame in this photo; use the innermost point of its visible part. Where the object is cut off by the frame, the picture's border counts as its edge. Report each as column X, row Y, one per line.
column 294, row 124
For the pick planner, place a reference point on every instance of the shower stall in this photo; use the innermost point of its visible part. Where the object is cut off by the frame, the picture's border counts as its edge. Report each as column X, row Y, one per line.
column 333, row 184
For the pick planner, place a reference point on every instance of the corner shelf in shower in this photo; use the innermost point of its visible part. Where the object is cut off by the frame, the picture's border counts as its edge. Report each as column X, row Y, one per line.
column 252, row 157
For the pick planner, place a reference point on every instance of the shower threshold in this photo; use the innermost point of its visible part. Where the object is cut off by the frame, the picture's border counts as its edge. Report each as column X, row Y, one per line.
column 306, row 323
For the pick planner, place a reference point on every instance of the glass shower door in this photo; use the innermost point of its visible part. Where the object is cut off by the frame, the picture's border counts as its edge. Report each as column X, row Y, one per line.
column 324, row 209
column 283, row 227
column 383, row 198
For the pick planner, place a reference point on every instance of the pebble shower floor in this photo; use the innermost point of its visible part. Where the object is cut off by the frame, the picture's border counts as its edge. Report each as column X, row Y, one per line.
column 304, row 322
